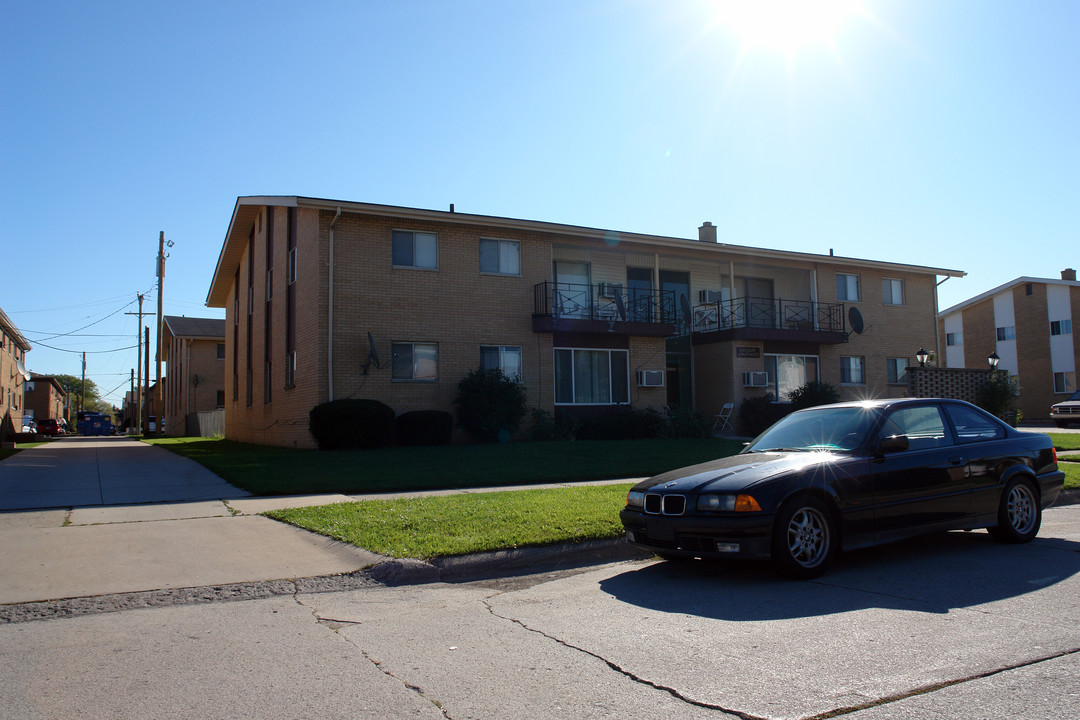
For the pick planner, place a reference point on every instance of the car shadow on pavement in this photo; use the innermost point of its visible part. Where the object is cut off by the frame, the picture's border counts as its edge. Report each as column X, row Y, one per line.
column 932, row 574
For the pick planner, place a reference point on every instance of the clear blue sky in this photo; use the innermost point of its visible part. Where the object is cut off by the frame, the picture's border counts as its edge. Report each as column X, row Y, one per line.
column 935, row 132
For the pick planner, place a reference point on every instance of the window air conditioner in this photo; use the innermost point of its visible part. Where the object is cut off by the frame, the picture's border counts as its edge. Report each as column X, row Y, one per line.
column 650, row 378
column 755, row 379
column 609, row 290
column 709, row 296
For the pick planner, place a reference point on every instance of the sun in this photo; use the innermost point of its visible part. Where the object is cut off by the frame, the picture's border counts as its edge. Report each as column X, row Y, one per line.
column 785, row 25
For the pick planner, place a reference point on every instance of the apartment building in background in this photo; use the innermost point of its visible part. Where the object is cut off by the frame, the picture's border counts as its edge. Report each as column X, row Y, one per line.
column 329, row 299
column 13, row 377
column 45, row 398
column 194, row 354
column 1028, row 323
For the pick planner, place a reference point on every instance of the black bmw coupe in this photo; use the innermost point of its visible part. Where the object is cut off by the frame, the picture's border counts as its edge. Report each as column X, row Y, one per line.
column 848, row 476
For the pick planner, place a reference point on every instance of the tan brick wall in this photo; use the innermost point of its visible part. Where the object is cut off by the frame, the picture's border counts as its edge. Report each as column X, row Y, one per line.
column 188, row 358
column 1033, row 351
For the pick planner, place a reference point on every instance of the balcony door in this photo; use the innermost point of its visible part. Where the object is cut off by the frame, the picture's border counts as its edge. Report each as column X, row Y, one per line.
column 760, row 308
column 573, row 290
column 639, row 295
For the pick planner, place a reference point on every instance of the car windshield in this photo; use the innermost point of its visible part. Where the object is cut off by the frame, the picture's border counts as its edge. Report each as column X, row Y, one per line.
column 1074, row 396
column 836, row 429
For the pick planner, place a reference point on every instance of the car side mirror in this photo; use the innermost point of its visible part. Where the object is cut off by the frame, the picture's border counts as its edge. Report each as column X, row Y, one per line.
column 893, row 444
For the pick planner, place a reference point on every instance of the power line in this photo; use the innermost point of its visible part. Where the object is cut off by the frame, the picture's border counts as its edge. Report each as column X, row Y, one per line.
column 88, row 352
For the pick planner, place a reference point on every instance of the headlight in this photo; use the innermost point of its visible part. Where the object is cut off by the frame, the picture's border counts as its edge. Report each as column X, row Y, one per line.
column 635, row 499
column 727, row 503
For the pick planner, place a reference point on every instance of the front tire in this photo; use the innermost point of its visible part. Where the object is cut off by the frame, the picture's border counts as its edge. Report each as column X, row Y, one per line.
column 1019, row 513
column 804, row 538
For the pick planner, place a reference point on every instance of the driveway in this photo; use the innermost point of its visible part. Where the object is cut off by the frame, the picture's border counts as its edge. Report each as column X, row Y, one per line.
column 90, row 471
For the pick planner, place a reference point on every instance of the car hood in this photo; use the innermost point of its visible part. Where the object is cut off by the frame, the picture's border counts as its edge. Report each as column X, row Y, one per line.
column 737, row 472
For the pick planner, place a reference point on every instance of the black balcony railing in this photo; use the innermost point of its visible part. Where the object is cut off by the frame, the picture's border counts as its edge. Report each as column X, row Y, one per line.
column 764, row 314
column 607, row 302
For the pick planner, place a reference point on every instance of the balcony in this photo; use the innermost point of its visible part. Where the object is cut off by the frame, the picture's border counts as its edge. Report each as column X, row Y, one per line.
column 602, row 307
column 764, row 319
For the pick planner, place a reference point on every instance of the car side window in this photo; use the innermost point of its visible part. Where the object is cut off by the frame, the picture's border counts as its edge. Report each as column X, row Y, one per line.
column 972, row 425
column 923, row 426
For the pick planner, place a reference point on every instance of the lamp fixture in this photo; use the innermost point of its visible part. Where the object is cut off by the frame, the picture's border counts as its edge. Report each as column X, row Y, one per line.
column 993, row 359
column 922, row 356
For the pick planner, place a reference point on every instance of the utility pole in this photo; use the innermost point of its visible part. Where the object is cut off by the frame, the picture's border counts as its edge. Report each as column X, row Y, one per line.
column 146, row 359
column 159, row 404
column 82, row 398
column 138, row 364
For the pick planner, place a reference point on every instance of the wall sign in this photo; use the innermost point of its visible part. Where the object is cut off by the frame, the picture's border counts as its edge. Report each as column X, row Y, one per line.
column 747, row 352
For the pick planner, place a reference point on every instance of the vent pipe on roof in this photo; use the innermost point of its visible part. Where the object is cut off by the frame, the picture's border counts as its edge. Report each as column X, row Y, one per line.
column 1068, row 274
column 707, row 232
column 451, row 207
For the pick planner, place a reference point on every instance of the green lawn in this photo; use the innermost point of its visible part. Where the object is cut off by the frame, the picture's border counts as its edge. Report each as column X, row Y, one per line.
column 427, row 527
column 1072, row 474
column 264, row 470
column 1065, row 441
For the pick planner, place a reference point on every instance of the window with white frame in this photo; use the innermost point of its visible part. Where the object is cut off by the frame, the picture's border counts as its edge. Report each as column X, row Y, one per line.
column 1064, row 382
column 415, row 249
column 892, row 291
column 896, row 370
column 954, row 338
column 851, row 371
column 789, row 372
column 847, row 287
column 1061, row 327
column 591, row 377
column 417, row 362
column 500, row 257
column 1006, row 333
column 506, row 358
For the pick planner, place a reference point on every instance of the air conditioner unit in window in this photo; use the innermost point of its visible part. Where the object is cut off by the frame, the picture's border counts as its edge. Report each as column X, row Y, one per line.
column 755, row 379
column 650, row 378
column 609, row 290
column 709, row 296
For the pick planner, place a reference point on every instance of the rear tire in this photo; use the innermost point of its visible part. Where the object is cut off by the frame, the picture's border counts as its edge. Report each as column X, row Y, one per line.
column 1019, row 513
column 804, row 538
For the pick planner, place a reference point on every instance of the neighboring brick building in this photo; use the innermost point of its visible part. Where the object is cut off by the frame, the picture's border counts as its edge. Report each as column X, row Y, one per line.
column 1028, row 322
column 13, row 377
column 194, row 351
column 327, row 299
column 45, row 398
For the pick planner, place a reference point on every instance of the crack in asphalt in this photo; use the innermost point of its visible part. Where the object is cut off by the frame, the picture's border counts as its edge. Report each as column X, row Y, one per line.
column 334, row 626
column 628, row 674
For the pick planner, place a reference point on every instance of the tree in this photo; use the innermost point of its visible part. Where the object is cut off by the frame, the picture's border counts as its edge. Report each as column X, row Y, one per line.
column 490, row 405
column 73, row 386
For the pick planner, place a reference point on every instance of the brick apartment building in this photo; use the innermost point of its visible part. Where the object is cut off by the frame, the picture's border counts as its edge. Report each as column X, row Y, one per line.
column 45, row 398
column 13, row 377
column 194, row 352
column 1028, row 323
column 328, row 299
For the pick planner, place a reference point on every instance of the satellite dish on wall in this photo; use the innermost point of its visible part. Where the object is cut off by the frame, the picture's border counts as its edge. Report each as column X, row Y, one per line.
column 372, row 358
column 855, row 320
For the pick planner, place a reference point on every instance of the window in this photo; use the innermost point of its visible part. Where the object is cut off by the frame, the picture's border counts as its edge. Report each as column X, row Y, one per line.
column 892, row 291
column 851, row 371
column 415, row 361
column 502, row 257
column 923, row 426
column 591, row 377
column 896, row 370
column 789, row 372
column 847, row 287
column 502, row 357
column 1064, row 382
column 292, row 267
column 1061, row 327
column 954, row 338
column 1006, row 333
column 415, row 249
column 221, row 351
column 290, row 369
column 1029, row 290
column 221, row 398
column 973, row 426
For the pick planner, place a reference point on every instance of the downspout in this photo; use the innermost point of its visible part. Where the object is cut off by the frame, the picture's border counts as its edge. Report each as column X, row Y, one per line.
column 330, row 315
column 937, row 325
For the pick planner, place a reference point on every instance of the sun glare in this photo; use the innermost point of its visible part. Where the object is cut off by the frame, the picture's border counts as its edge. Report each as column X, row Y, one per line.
column 785, row 25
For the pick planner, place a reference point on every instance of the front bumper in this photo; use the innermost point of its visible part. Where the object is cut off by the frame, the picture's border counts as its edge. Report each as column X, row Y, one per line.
column 703, row 536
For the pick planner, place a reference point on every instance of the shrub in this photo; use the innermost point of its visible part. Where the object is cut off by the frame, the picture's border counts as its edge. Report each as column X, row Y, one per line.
column 812, row 394
column 630, row 425
column 424, row 427
column 756, row 414
column 686, row 423
column 545, row 427
column 348, row 424
column 490, row 405
column 998, row 396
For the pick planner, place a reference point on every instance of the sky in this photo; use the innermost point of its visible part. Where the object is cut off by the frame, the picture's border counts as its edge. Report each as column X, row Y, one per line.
column 943, row 133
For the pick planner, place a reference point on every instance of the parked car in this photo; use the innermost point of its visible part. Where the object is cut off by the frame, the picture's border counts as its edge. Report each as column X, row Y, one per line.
column 48, row 426
column 846, row 476
column 1066, row 412
column 28, row 424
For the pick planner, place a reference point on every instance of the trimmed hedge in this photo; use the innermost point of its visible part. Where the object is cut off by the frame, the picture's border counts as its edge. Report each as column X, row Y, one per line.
column 349, row 424
column 424, row 427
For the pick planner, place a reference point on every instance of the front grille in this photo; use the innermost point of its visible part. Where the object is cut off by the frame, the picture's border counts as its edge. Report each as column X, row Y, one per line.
column 1068, row 410
column 658, row 504
column 690, row 543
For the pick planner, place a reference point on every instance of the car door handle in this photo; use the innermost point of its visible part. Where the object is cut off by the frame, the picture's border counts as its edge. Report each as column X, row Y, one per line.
column 957, row 461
